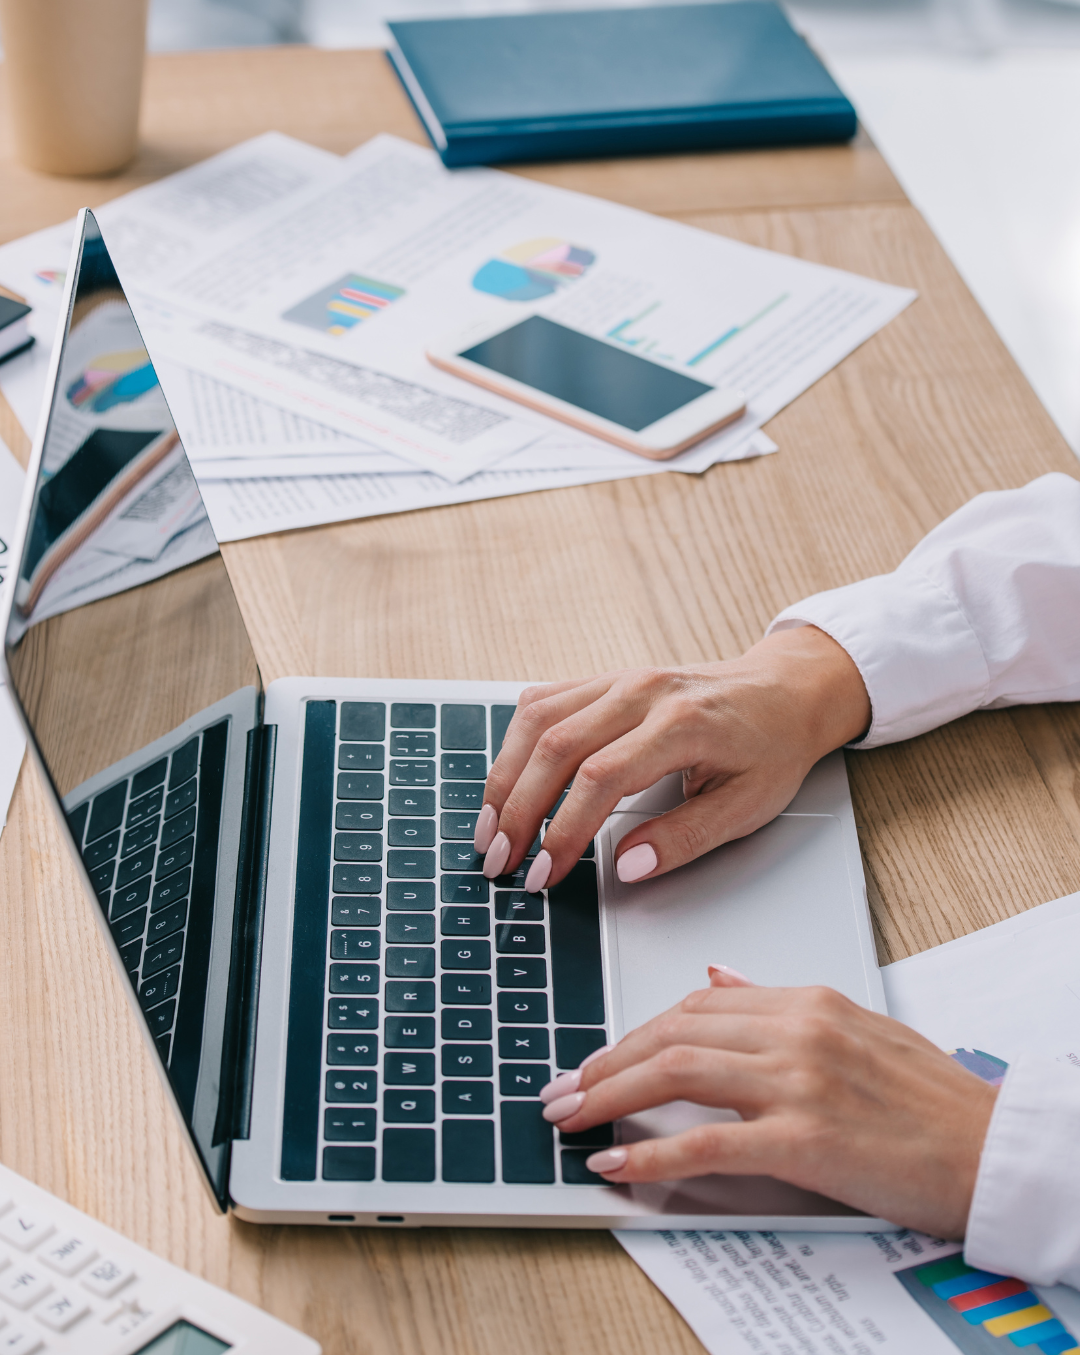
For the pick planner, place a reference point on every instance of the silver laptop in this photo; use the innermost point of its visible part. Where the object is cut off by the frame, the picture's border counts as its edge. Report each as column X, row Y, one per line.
column 352, row 1023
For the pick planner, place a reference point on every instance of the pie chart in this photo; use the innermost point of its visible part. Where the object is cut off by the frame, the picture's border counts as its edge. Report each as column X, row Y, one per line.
column 533, row 269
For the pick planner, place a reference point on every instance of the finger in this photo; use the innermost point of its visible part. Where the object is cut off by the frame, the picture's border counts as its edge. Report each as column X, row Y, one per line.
column 723, row 976
column 737, row 1149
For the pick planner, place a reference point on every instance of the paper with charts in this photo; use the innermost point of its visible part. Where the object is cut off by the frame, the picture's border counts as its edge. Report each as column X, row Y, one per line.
column 325, row 303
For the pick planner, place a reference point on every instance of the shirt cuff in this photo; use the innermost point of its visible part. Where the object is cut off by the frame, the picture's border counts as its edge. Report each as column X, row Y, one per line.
column 916, row 650
column 1025, row 1213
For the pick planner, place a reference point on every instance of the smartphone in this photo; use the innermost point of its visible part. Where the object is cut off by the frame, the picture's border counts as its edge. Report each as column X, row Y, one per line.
column 596, row 385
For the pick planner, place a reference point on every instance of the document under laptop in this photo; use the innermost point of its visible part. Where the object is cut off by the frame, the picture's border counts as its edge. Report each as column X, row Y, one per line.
column 352, row 1023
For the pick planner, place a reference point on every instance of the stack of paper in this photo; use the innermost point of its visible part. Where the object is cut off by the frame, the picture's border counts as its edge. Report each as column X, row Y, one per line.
column 288, row 295
column 12, row 741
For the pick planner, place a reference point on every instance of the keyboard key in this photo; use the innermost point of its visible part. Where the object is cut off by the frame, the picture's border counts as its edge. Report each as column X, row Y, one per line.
column 463, row 767
column 412, row 833
column 466, row 1060
column 408, row 1155
column 349, row 1126
column 129, row 928
column 474, row 1023
column 461, row 795
column 528, row 1148
column 158, row 988
column 354, row 978
column 23, row 1285
column 500, row 723
column 107, row 811
column 101, row 877
column 167, row 921
column 409, row 1107
column 148, row 778
column 131, row 955
column 358, row 846
column 171, row 890
column 161, row 1018
column 359, row 815
column 363, row 910
column 107, row 1277
column 179, row 826
column 410, row 962
column 77, row 822
column 468, row 1150
column 521, row 973
column 176, row 858
column 412, row 773
column 185, row 762
column 124, row 900
column 574, row 1170
column 523, row 1079
column 520, row 1008
column 104, row 849
column 132, row 867
column 522, row 1042
column 179, row 799
column 354, row 945
column 413, row 743
column 410, row 1032
column 516, row 879
column 573, row 1047
column 468, row 1098
column 404, row 715
column 352, row 1051
column 352, row 1013
column 360, row 786
column 406, row 802
column 460, row 856
column 465, row 921
column 67, row 1255
column 462, row 989
column 463, row 889
column 357, row 1088
column 349, row 1164
column 357, row 879
column 466, row 954
column 145, row 807
column 363, row 720
column 599, row 1136
column 577, row 976
column 361, row 757
column 25, row 1229
column 403, row 864
column 409, row 1070
column 514, row 905
column 464, row 727
column 144, row 835
column 410, row 997
column 512, row 938
column 406, row 897
column 61, row 1310
column 459, row 827
column 410, row 928
column 162, row 955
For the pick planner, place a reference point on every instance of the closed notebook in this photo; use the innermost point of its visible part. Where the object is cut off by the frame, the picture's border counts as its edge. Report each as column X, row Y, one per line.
column 616, row 81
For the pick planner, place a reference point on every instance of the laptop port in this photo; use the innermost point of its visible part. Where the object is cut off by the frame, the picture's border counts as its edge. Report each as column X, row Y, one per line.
column 390, row 1218
column 341, row 1218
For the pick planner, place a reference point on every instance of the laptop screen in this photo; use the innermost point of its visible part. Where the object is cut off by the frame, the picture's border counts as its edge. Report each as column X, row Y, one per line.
column 128, row 654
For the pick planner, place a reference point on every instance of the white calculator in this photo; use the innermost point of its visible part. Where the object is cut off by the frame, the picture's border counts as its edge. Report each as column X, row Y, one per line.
column 68, row 1284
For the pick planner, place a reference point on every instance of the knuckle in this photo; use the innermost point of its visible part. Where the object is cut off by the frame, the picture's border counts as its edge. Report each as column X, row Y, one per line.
column 556, row 744
column 537, row 692
column 678, row 1062
column 689, row 837
column 598, row 771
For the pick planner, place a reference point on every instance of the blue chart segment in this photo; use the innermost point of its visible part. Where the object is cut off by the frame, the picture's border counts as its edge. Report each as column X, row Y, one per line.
column 533, row 269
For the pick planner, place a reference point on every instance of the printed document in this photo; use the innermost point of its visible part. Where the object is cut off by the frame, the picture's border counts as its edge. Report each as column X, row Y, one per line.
column 12, row 740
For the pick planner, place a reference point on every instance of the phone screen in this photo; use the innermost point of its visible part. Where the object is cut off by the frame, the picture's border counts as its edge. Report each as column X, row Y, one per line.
column 597, row 377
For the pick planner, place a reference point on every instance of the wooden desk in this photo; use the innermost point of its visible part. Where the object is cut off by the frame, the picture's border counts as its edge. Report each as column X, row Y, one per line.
column 959, row 828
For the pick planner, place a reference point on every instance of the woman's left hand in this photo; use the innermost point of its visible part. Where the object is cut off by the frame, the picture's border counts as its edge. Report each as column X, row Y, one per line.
column 833, row 1098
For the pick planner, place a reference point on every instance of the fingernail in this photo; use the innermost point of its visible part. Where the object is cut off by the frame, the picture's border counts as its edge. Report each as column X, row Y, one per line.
column 635, row 864
column 597, row 1053
column 538, row 873
column 487, row 825
column 562, row 1085
column 497, row 855
column 564, row 1107
column 610, row 1160
column 723, row 976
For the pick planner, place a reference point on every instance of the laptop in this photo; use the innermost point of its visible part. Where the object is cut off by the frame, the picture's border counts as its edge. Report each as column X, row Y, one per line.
column 351, row 1022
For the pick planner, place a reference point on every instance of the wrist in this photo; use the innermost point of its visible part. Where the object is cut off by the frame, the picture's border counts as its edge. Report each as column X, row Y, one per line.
column 824, row 681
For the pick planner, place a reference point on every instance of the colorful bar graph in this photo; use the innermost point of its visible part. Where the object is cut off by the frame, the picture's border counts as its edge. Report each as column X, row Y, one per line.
column 349, row 301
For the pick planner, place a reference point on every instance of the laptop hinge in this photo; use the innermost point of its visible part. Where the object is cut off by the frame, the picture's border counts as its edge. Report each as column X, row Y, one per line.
column 238, row 1047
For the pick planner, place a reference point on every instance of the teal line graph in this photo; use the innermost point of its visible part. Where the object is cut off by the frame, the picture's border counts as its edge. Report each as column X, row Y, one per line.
column 735, row 329
column 642, row 342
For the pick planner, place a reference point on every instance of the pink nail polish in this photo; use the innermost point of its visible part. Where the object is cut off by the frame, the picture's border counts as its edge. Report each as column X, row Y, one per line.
column 597, row 1053
column 609, row 1160
column 562, row 1085
column 538, row 873
column 487, row 825
column 564, row 1107
column 497, row 855
column 635, row 864
column 723, row 976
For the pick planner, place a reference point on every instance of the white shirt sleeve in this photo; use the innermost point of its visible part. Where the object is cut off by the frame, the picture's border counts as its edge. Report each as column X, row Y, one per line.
column 1025, row 1214
column 984, row 612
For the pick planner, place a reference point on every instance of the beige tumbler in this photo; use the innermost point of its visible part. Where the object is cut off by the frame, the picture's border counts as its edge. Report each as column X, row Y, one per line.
column 73, row 70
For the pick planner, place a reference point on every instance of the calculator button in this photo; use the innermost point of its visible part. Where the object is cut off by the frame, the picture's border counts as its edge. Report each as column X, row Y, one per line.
column 61, row 1310
column 24, row 1229
column 107, row 1278
column 67, row 1254
column 22, row 1286
column 17, row 1341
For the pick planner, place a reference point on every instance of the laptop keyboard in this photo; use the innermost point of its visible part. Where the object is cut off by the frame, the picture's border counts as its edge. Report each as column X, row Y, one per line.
column 428, row 1006
column 138, row 841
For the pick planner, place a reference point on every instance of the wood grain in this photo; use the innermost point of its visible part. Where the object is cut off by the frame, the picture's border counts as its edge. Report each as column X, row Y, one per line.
column 959, row 828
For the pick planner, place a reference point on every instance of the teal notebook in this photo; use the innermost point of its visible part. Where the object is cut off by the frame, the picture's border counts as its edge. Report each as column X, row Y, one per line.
column 615, row 82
